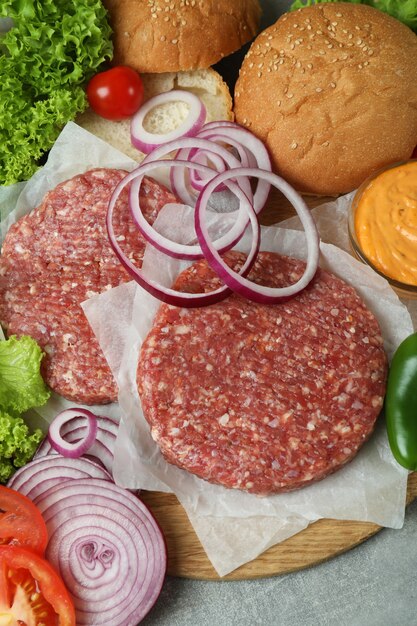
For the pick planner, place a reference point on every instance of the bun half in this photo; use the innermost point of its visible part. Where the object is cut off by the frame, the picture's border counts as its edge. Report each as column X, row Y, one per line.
column 180, row 35
column 332, row 90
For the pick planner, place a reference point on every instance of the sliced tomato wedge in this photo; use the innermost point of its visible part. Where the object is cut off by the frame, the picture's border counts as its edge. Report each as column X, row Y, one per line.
column 21, row 523
column 31, row 592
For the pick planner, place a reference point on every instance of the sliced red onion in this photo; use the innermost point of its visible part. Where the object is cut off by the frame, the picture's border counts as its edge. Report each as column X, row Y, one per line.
column 101, row 451
column 252, row 152
column 237, row 282
column 145, row 141
column 179, row 186
column 107, row 547
column 45, row 472
column 166, row 294
column 73, row 449
column 213, row 161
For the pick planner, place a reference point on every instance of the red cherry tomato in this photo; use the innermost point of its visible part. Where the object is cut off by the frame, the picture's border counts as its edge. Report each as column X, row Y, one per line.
column 115, row 94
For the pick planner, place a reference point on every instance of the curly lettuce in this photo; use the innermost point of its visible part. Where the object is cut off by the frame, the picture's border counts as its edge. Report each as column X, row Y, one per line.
column 21, row 388
column 403, row 10
column 46, row 58
column 17, row 444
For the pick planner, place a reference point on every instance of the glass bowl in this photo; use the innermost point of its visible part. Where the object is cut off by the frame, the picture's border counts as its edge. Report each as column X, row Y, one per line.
column 369, row 185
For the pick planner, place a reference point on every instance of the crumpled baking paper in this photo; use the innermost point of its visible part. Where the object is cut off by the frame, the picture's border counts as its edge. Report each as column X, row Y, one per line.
column 234, row 527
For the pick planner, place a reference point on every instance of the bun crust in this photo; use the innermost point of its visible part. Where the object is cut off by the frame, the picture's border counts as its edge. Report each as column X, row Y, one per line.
column 179, row 35
column 332, row 90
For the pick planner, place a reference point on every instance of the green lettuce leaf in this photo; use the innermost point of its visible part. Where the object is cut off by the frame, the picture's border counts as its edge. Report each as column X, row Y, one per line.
column 21, row 384
column 17, row 444
column 46, row 59
column 403, row 10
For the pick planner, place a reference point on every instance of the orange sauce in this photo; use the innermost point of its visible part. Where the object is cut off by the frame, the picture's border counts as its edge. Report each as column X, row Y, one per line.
column 386, row 222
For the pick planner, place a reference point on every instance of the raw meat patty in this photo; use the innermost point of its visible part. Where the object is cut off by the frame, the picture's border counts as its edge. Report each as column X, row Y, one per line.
column 58, row 256
column 258, row 397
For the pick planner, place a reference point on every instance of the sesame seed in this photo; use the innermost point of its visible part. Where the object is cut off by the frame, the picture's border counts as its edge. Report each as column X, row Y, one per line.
column 326, row 143
column 333, row 85
column 290, row 95
column 319, row 89
column 294, row 145
column 162, row 38
column 174, row 41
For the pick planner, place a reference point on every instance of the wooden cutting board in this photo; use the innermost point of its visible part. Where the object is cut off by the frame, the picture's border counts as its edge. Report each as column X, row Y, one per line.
column 319, row 542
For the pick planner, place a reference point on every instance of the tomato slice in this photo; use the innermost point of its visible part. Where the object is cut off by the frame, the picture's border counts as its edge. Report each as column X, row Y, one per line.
column 21, row 523
column 31, row 592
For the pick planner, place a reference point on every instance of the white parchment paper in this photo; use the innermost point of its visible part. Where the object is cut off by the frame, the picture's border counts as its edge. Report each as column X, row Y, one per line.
column 234, row 527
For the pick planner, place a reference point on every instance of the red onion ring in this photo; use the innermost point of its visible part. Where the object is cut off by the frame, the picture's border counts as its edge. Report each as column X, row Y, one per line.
column 101, row 450
column 69, row 449
column 179, row 188
column 198, row 181
column 166, row 294
column 145, row 141
column 235, row 281
column 39, row 475
column 108, row 549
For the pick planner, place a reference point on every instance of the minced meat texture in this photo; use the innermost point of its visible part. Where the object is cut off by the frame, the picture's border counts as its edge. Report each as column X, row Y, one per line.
column 58, row 256
column 263, row 398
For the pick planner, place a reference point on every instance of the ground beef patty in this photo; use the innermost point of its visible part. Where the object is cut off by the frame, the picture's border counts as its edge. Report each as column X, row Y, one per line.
column 58, row 256
column 258, row 397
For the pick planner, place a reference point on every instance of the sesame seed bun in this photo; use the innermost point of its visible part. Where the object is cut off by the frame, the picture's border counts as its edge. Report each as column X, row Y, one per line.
column 332, row 90
column 179, row 35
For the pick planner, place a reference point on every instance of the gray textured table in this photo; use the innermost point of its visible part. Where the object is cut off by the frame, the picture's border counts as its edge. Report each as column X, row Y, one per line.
column 374, row 584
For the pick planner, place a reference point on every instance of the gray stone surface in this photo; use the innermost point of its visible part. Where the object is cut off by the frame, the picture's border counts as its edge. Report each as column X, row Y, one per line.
column 374, row 584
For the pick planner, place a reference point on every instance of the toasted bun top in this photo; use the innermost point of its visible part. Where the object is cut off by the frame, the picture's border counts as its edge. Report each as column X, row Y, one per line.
column 332, row 90
column 179, row 35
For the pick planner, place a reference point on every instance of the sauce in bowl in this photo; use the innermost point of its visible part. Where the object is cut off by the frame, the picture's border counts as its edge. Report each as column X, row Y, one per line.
column 385, row 222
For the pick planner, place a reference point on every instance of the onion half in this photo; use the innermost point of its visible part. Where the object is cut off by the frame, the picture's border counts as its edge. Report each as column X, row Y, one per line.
column 36, row 477
column 108, row 549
